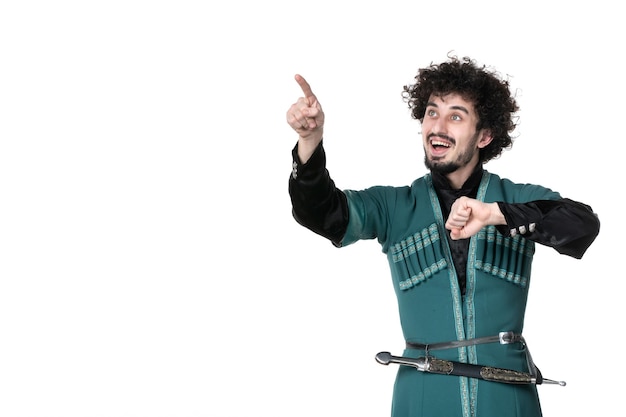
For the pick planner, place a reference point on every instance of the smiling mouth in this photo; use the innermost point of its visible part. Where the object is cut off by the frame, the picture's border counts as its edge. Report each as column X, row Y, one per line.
column 438, row 144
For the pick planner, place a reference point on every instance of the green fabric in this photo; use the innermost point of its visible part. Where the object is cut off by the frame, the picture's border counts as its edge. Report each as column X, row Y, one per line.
column 409, row 226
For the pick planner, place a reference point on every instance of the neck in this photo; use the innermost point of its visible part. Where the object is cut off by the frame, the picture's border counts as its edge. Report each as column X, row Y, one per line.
column 460, row 176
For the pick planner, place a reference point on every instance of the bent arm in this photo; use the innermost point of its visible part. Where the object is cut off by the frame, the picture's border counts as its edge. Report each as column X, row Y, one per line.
column 568, row 226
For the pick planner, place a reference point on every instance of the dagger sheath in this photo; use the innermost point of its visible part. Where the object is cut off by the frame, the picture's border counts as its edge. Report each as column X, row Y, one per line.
column 446, row 367
column 487, row 373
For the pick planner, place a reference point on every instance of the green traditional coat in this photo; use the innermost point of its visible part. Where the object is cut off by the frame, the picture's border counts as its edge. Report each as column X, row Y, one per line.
column 408, row 223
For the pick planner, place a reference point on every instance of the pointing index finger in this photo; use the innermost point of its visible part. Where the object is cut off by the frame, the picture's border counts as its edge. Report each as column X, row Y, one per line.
column 304, row 85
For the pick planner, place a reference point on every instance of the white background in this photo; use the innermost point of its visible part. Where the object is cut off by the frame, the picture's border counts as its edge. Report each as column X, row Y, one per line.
column 149, row 263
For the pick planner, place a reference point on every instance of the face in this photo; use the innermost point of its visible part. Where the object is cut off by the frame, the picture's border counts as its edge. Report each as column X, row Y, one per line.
column 451, row 141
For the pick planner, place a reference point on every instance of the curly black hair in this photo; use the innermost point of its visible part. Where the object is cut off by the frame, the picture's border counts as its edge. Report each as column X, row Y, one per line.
column 490, row 94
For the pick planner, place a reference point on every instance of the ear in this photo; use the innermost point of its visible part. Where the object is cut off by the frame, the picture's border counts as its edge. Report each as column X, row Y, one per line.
column 485, row 138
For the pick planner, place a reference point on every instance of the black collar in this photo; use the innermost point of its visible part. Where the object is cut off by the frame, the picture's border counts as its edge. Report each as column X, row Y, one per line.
column 471, row 184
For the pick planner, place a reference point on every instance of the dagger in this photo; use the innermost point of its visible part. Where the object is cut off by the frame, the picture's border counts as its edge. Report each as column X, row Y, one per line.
column 445, row 367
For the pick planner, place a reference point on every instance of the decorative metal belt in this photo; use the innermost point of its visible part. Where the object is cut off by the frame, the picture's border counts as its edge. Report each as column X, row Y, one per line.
column 430, row 364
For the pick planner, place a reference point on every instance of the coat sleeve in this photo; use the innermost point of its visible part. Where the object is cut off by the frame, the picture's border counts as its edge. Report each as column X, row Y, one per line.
column 316, row 203
column 568, row 226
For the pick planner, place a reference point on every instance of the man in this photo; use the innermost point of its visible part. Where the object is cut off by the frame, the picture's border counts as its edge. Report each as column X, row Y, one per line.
column 459, row 240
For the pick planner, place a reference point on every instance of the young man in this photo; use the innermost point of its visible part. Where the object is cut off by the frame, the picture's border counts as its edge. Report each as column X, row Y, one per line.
column 459, row 240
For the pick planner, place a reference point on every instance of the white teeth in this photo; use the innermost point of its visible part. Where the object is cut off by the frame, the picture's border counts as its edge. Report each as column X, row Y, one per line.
column 437, row 143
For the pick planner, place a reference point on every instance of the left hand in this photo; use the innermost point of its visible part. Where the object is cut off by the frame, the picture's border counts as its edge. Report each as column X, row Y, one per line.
column 468, row 216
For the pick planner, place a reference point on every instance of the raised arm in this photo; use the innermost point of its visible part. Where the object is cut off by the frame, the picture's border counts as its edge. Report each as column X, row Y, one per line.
column 316, row 203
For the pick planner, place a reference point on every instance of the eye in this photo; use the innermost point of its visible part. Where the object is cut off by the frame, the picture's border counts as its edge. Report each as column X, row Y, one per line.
column 431, row 113
column 456, row 117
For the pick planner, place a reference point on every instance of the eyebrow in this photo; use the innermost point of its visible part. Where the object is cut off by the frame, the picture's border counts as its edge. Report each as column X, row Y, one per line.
column 460, row 108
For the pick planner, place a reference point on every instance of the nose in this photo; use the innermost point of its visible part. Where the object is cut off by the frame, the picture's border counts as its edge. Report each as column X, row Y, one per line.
column 440, row 126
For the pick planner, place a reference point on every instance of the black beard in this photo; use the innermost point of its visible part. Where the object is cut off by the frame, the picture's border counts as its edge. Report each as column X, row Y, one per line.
column 443, row 168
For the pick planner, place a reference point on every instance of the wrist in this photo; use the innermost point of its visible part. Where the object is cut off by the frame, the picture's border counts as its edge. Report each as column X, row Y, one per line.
column 307, row 147
column 496, row 216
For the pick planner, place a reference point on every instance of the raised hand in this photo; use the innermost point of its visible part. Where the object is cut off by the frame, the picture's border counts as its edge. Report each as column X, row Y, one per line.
column 306, row 117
